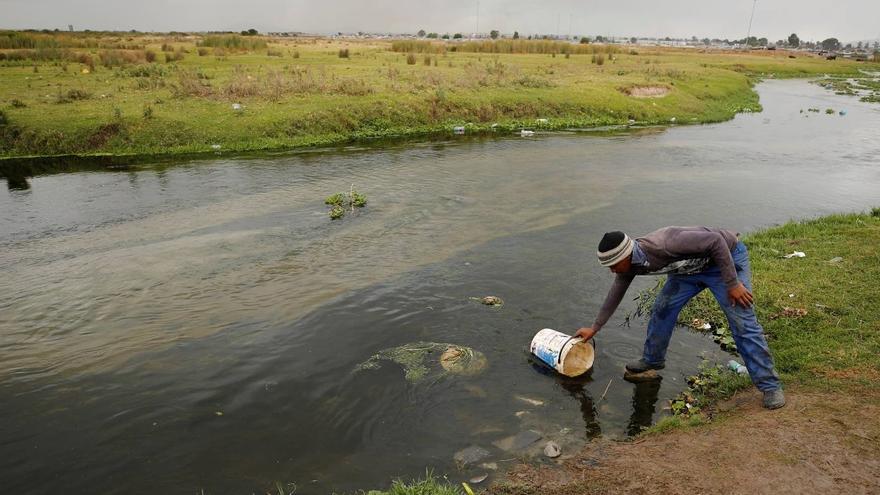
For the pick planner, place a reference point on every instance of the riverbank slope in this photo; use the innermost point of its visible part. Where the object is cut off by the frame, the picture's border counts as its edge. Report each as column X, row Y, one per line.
column 150, row 96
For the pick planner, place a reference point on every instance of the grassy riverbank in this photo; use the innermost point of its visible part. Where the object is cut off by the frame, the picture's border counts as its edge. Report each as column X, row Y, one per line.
column 821, row 314
column 146, row 95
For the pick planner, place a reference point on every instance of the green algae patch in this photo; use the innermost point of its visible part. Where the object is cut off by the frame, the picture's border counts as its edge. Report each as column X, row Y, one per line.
column 429, row 360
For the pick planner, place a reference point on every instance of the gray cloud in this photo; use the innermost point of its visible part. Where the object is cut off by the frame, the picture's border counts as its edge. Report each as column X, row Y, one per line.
column 811, row 19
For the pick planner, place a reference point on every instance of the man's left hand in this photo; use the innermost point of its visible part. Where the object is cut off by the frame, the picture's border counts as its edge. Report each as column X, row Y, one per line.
column 740, row 295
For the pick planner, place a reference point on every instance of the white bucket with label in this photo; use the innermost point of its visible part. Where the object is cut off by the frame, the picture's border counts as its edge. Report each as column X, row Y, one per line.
column 568, row 355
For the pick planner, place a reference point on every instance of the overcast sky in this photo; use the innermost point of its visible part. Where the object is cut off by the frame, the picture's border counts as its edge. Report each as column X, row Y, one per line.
column 847, row 20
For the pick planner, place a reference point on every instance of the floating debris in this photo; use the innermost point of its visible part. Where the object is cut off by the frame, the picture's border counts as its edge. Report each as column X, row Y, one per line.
column 237, row 107
column 519, row 441
column 737, row 367
column 479, row 478
column 415, row 358
column 673, row 119
column 470, row 455
column 526, row 133
column 492, row 466
column 490, row 300
column 541, row 121
column 796, row 254
column 552, row 450
column 459, row 129
column 529, row 401
column 701, row 324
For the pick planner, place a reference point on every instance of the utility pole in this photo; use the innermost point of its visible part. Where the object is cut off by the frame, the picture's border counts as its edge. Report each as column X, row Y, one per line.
column 477, row 32
column 749, row 34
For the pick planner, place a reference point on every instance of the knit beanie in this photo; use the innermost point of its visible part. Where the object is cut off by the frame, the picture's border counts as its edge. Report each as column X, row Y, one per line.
column 614, row 247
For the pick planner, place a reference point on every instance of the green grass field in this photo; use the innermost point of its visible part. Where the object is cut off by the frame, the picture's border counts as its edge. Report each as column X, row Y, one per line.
column 64, row 95
column 820, row 312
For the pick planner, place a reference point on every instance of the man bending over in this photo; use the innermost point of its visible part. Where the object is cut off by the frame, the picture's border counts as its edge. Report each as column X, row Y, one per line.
column 693, row 258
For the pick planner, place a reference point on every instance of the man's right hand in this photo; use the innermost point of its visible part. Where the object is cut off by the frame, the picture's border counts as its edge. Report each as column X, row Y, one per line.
column 586, row 333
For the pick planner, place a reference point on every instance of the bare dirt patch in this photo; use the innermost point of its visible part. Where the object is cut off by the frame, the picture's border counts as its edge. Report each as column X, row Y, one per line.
column 646, row 91
column 817, row 443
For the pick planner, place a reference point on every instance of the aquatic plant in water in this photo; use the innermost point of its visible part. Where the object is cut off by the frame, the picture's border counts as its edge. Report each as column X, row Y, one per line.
column 339, row 202
column 421, row 360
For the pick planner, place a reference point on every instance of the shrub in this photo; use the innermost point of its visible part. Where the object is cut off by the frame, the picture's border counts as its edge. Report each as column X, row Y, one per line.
column 203, row 51
column 353, row 87
column 274, row 52
column 411, row 59
column 427, row 60
column 148, row 112
column 117, row 58
column 600, row 59
column 296, row 54
column 190, row 84
column 16, row 103
column 72, row 95
column 173, row 57
column 150, row 56
column 167, row 47
column 4, row 120
column 343, row 53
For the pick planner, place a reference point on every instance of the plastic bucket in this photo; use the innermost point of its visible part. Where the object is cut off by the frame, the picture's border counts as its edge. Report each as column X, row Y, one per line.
column 568, row 355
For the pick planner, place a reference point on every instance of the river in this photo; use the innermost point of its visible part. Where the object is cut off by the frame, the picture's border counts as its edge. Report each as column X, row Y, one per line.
column 197, row 326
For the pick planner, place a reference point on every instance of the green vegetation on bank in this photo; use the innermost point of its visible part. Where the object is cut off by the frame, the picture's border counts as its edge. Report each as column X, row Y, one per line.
column 429, row 485
column 144, row 95
column 820, row 312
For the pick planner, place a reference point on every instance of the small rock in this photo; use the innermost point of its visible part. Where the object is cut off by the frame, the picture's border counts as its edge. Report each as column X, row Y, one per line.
column 647, row 376
column 836, row 259
column 520, row 414
column 470, row 455
column 492, row 466
column 519, row 441
column 479, row 478
column 552, row 450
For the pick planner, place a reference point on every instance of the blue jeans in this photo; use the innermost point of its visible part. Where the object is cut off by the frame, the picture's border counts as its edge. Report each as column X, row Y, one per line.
column 747, row 332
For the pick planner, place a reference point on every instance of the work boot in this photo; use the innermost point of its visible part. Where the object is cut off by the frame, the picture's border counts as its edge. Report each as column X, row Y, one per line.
column 774, row 399
column 641, row 366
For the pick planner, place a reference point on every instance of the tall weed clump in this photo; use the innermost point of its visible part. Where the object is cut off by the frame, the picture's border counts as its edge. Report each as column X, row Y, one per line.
column 414, row 46
column 234, row 42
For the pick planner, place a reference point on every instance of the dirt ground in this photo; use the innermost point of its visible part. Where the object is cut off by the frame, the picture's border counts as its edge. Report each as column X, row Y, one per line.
column 817, row 443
